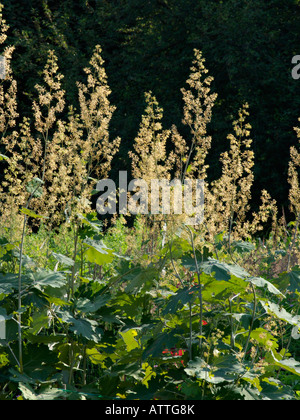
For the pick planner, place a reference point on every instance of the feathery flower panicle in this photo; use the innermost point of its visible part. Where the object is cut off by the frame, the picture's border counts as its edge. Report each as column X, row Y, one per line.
column 63, row 154
column 97, row 150
column 50, row 98
column 46, row 109
column 228, row 199
column 197, row 111
column 10, row 166
column 150, row 160
column 80, row 148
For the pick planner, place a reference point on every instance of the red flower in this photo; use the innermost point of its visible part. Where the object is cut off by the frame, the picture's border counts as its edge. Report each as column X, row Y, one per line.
column 174, row 352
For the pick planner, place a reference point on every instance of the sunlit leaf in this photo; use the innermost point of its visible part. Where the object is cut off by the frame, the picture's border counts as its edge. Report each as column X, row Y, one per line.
column 260, row 282
column 291, row 364
column 31, row 213
column 97, row 252
column 129, row 338
column 62, row 259
column 222, row 270
column 43, row 278
column 241, row 246
column 275, row 310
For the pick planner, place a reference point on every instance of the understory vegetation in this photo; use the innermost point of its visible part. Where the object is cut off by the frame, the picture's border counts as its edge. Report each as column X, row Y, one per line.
column 165, row 310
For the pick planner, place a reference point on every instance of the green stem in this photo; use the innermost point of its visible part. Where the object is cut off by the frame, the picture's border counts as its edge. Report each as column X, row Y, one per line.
column 72, row 363
column 173, row 264
column 200, row 288
column 232, row 340
column 74, row 259
column 293, row 243
column 252, row 321
column 84, row 366
column 20, row 344
column 191, row 333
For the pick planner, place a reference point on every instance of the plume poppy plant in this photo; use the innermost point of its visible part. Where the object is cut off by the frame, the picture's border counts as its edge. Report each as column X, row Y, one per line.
column 89, row 301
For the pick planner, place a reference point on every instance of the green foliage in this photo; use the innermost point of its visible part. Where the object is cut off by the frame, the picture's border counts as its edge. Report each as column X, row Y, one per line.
column 130, row 326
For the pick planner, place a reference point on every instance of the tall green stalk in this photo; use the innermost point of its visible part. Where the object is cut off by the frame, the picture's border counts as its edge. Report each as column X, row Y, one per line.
column 292, row 245
column 72, row 282
column 200, row 288
column 252, row 321
column 19, row 317
column 20, row 343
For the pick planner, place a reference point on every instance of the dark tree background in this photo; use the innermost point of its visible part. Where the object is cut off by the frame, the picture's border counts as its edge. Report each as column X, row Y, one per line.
column 148, row 45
